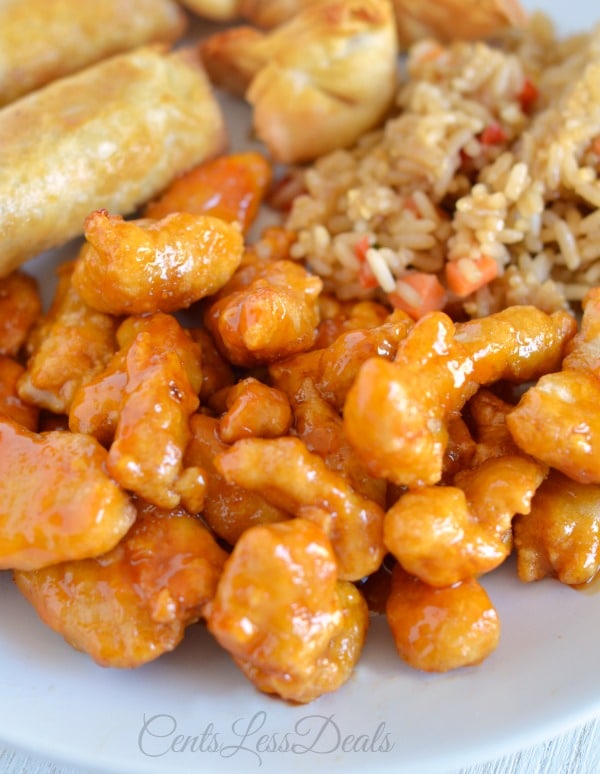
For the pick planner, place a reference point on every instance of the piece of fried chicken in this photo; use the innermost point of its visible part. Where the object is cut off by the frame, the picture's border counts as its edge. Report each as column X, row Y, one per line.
column 317, row 82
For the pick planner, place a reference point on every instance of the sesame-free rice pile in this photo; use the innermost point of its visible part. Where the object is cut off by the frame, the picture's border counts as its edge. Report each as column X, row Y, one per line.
column 480, row 191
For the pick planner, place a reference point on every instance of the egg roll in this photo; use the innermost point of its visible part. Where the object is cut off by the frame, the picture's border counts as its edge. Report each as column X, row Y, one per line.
column 216, row 10
column 109, row 137
column 41, row 41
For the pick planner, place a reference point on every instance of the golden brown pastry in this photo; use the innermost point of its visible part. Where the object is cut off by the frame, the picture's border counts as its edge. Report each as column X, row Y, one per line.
column 42, row 41
column 271, row 13
column 218, row 10
column 263, row 13
column 111, row 136
column 317, row 82
column 451, row 19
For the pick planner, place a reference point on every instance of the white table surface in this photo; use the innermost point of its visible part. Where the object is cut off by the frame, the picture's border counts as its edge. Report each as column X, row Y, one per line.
column 577, row 751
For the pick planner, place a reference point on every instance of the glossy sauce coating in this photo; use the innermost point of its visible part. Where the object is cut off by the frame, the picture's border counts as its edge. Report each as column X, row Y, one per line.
column 332, row 668
column 276, row 604
column 320, row 426
column 439, row 629
column 228, row 509
column 445, row 534
column 396, row 413
column 269, row 311
column 11, row 405
column 132, row 604
column 146, row 455
column 70, row 344
column 97, row 404
column 334, row 368
column 557, row 419
column 136, row 267
column 289, row 476
column 228, row 187
column 56, row 500
column 20, row 308
column 254, row 410
column 560, row 537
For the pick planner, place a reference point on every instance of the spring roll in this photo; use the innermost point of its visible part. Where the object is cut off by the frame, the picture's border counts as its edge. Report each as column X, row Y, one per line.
column 110, row 137
column 41, row 41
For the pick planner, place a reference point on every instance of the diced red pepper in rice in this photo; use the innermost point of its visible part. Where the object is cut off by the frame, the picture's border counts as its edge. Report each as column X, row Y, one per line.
column 493, row 134
column 528, row 95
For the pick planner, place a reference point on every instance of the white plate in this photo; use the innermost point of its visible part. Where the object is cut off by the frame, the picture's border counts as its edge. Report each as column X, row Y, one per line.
column 171, row 715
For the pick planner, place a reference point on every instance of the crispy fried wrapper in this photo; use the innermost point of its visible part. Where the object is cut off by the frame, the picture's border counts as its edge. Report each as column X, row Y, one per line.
column 113, row 135
column 41, row 41
column 450, row 19
column 310, row 80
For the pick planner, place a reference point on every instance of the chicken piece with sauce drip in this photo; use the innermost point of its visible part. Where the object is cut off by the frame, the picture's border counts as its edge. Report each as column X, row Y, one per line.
column 147, row 265
column 560, row 536
column 290, row 477
column 57, row 502
column 557, row 420
column 396, row 413
column 439, row 629
column 282, row 614
column 132, row 604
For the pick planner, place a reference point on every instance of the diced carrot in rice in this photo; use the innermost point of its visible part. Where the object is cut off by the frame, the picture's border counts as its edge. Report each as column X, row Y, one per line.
column 418, row 293
column 466, row 275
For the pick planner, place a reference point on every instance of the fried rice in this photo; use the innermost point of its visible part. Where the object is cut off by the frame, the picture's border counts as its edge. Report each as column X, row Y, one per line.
column 490, row 158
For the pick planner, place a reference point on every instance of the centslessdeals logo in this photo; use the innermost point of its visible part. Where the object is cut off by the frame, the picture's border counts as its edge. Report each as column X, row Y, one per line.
column 160, row 735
